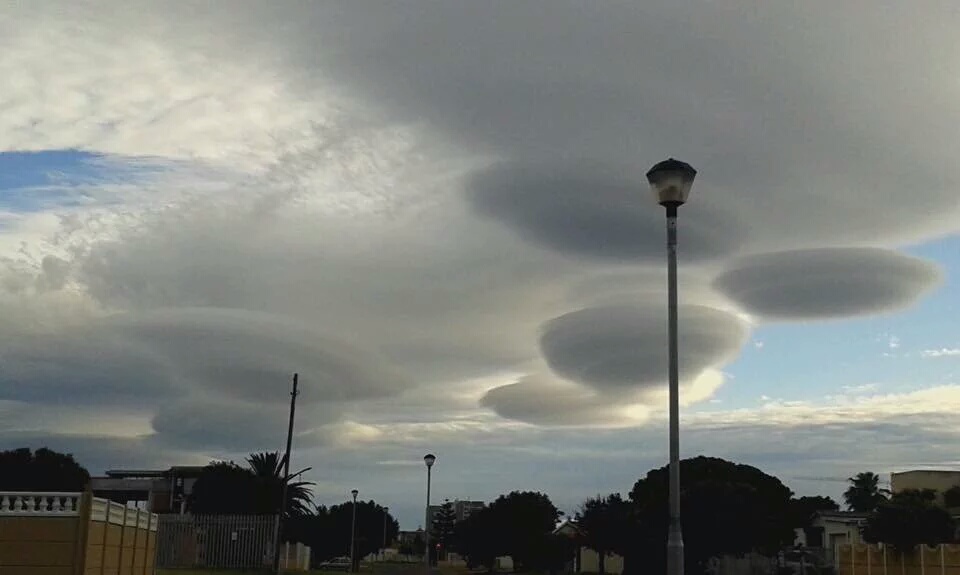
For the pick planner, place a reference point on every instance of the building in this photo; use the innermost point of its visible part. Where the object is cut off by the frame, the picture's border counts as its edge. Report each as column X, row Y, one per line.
column 462, row 509
column 831, row 528
column 937, row 480
column 157, row 491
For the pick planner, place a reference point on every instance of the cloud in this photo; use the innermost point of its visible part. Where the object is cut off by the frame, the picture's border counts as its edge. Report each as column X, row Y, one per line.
column 590, row 210
column 541, row 400
column 827, row 283
column 942, row 352
column 624, row 346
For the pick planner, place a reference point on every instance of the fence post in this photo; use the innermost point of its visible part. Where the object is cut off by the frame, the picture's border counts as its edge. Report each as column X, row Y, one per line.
column 943, row 561
column 868, row 560
column 83, row 532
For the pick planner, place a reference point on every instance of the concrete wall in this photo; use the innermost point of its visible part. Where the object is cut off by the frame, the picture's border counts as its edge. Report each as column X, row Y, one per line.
column 74, row 534
column 590, row 562
column 883, row 560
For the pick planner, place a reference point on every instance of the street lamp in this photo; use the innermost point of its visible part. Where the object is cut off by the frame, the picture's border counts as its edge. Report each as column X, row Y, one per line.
column 670, row 182
column 429, row 459
column 353, row 533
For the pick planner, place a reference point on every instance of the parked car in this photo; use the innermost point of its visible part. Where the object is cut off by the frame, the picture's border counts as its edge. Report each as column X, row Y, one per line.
column 336, row 564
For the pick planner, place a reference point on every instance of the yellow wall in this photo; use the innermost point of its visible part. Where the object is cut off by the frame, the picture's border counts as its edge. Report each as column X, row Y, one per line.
column 95, row 537
column 875, row 560
column 38, row 545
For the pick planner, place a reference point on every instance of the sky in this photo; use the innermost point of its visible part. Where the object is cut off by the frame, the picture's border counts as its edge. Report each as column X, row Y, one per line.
column 436, row 214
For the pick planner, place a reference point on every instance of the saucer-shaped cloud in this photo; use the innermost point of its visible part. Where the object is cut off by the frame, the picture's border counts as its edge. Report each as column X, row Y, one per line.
column 827, row 283
column 541, row 400
column 230, row 425
column 589, row 210
column 133, row 358
column 253, row 355
column 625, row 346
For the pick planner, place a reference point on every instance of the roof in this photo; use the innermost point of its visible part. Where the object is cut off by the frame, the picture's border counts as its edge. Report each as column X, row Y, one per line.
column 943, row 471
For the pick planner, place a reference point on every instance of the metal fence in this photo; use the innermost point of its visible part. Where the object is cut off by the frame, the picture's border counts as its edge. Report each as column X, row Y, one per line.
column 215, row 541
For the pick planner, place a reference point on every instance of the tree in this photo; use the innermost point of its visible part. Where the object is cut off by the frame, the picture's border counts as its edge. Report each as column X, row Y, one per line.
column 909, row 519
column 951, row 497
column 604, row 524
column 442, row 530
column 804, row 509
column 727, row 509
column 327, row 531
column 524, row 518
column 227, row 488
column 864, row 494
column 41, row 470
column 477, row 538
column 268, row 466
column 517, row 524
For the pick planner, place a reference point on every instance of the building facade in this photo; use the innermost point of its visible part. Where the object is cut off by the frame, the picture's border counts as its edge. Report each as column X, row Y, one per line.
column 935, row 479
column 157, row 491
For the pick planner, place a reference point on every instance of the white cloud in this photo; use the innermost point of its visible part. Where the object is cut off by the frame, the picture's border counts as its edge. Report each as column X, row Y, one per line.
column 942, row 352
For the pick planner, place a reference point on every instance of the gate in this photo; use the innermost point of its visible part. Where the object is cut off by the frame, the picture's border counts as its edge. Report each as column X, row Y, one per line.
column 215, row 541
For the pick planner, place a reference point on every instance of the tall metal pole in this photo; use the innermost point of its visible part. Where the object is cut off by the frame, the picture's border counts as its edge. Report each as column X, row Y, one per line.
column 353, row 535
column 427, row 523
column 675, row 535
column 286, row 476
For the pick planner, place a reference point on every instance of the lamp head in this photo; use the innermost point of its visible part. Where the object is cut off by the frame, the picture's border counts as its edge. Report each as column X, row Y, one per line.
column 670, row 182
column 355, row 493
column 429, row 459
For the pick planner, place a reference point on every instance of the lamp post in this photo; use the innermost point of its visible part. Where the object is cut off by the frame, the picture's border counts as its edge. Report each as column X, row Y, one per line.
column 386, row 511
column 353, row 533
column 429, row 459
column 670, row 182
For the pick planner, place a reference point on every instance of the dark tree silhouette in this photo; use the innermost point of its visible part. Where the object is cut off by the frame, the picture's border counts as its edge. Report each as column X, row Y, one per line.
column 41, row 470
column 227, row 488
column 864, row 494
column 951, row 497
column 442, row 532
column 909, row 519
column 804, row 509
column 604, row 524
column 327, row 531
column 727, row 509
column 518, row 524
column 267, row 466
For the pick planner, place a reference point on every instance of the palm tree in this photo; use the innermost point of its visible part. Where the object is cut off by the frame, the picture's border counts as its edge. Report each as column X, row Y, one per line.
column 864, row 494
column 267, row 466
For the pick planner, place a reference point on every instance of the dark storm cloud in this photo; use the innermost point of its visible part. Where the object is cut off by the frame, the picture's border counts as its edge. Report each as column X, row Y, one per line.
column 621, row 346
column 595, row 211
column 225, row 424
column 827, row 283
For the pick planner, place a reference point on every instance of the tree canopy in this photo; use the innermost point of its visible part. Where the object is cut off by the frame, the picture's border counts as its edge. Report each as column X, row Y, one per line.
column 41, row 470
column 442, row 530
column 909, row 519
column 327, row 531
column 803, row 509
column 727, row 509
column 228, row 488
column 604, row 524
column 519, row 524
column 864, row 494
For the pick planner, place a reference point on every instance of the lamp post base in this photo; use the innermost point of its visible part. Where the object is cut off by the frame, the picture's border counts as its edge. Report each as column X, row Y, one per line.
column 675, row 551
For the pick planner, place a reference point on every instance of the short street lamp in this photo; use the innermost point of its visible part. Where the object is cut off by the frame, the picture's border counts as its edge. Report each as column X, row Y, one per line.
column 353, row 533
column 670, row 182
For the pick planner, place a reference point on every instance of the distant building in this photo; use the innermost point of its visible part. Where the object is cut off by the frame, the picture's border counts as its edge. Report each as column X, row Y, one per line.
column 158, row 491
column 462, row 509
column 937, row 480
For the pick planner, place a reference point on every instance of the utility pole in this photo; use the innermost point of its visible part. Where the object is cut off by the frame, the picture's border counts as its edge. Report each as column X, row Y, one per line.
column 278, row 532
